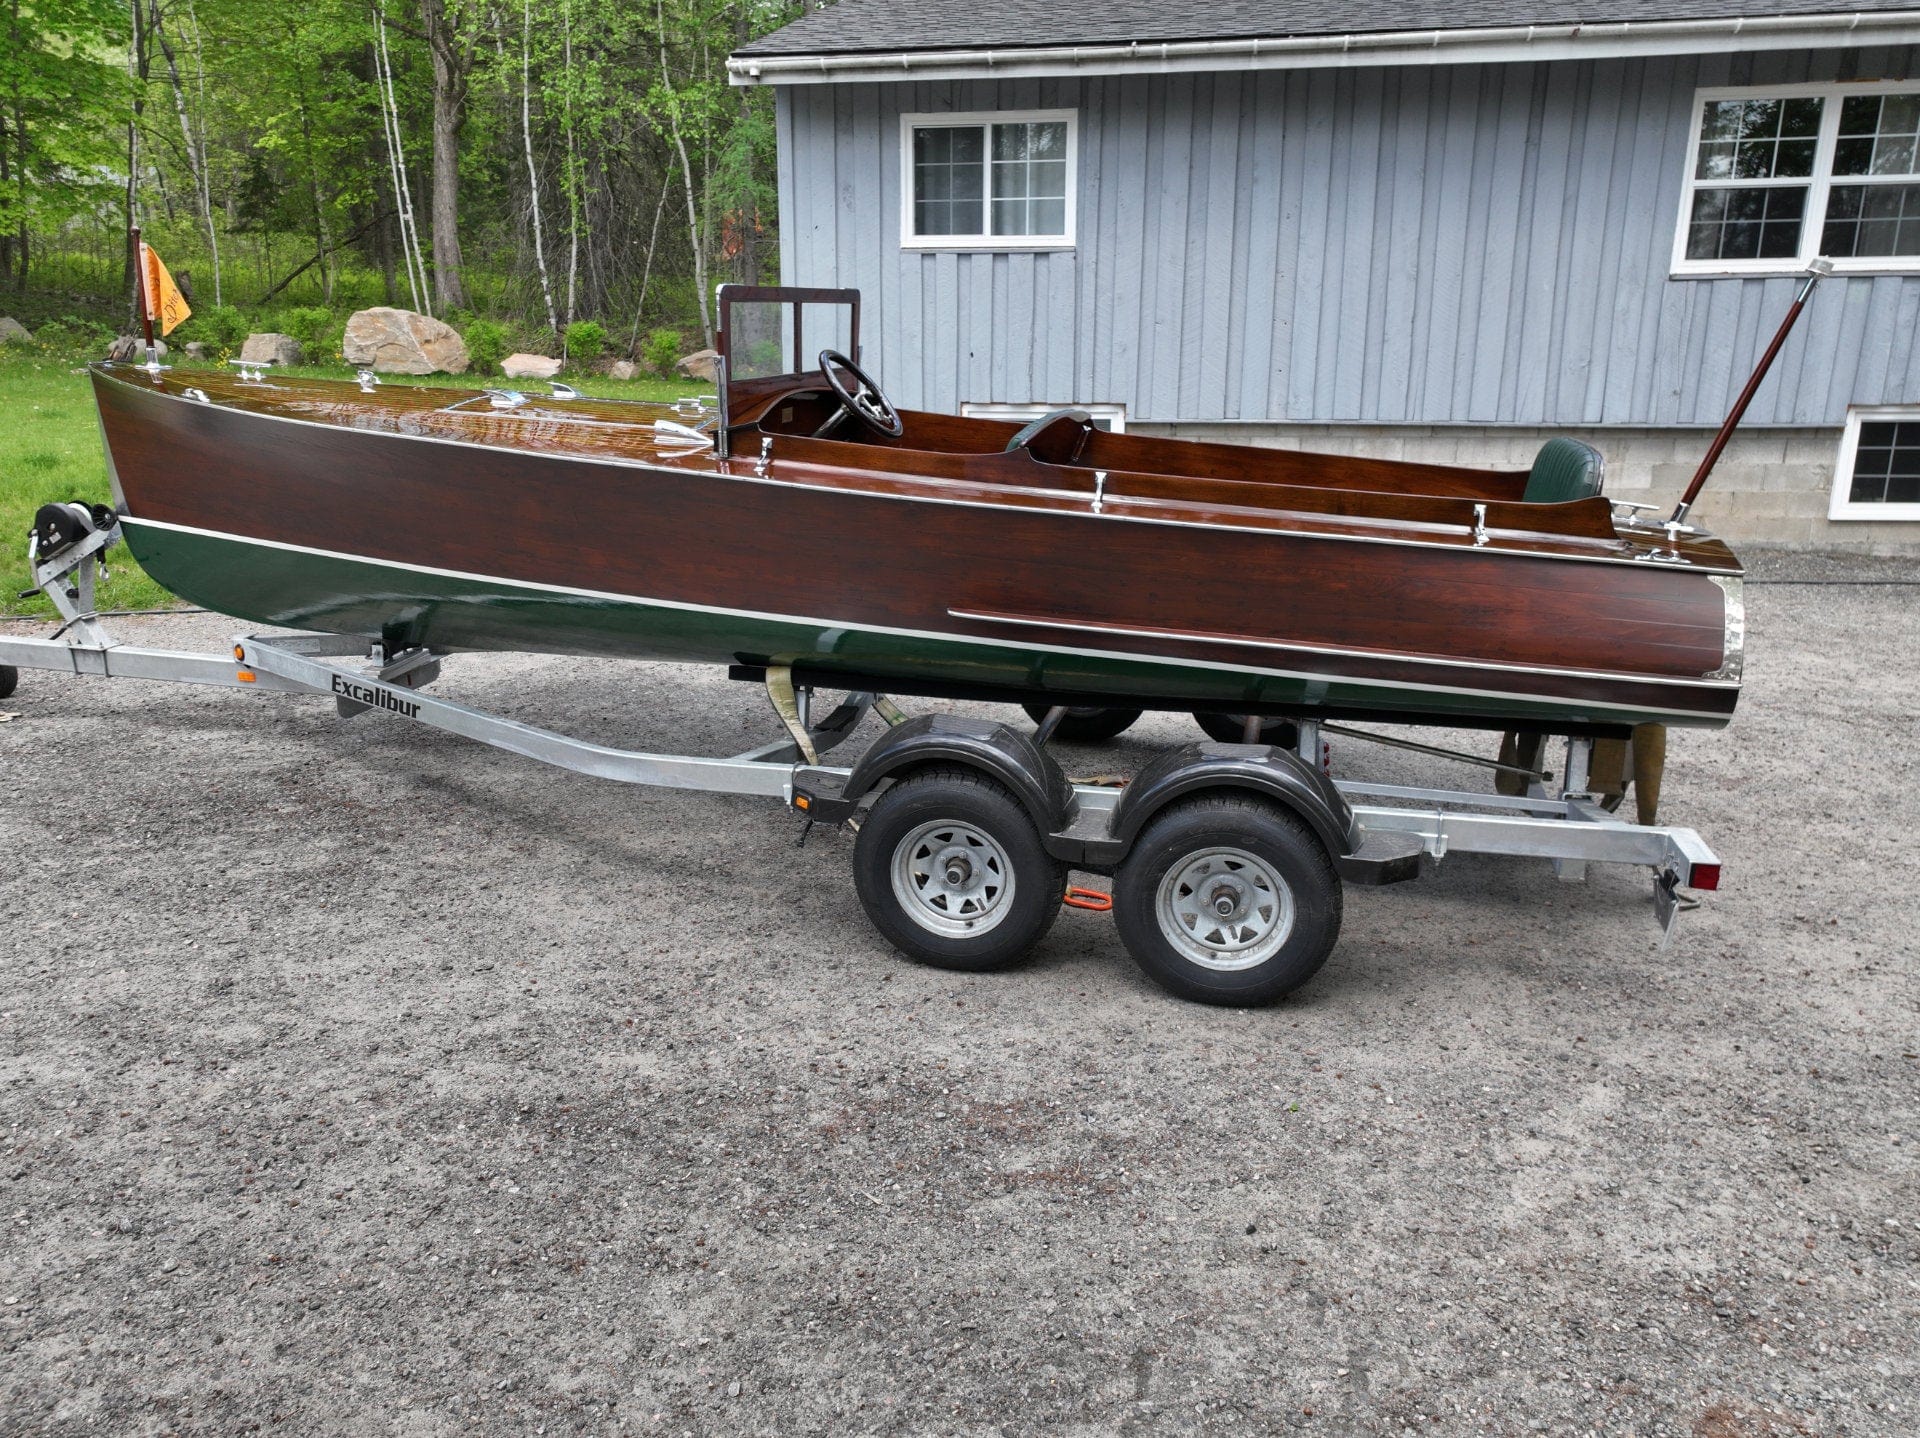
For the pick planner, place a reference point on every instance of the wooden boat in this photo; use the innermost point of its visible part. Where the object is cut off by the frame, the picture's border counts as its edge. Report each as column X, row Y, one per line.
column 803, row 521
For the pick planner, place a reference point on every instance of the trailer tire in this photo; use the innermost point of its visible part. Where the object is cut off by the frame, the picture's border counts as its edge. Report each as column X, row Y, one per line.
column 1086, row 725
column 9, row 680
column 1277, row 890
column 951, row 869
column 1232, row 729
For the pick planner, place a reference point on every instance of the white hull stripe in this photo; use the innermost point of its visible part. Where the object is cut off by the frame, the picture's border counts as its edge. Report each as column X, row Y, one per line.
column 938, row 637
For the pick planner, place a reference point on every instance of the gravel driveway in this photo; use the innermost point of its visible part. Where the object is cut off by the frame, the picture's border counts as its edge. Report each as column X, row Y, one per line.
column 360, row 1080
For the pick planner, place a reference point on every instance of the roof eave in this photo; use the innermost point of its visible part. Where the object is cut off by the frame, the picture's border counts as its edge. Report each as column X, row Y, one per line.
column 1403, row 47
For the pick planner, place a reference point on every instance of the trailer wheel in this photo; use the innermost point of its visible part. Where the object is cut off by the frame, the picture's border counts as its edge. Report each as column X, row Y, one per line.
column 1228, row 899
column 1086, row 725
column 1232, row 729
column 952, row 871
column 9, row 680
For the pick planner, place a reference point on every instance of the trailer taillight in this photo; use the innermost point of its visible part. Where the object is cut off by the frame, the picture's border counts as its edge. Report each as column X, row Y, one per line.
column 1703, row 876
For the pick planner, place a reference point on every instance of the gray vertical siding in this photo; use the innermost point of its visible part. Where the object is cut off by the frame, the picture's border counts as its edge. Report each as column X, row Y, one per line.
column 1480, row 244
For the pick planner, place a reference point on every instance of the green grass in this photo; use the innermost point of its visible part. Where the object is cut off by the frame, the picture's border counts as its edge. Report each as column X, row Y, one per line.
column 50, row 451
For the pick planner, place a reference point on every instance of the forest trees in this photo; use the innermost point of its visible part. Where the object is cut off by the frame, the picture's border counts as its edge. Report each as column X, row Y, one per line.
column 575, row 158
column 60, row 94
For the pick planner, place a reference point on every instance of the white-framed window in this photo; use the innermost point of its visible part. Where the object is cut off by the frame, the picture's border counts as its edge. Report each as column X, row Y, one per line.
column 1110, row 417
column 993, row 180
column 1878, row 476
column 1778, row 175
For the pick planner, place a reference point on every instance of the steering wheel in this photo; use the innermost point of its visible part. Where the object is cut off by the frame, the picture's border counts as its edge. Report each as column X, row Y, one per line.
column 864, row 402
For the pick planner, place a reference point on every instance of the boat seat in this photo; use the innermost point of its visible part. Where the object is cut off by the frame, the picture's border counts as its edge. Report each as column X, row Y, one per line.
column 1051, row 445
column 1565, row 470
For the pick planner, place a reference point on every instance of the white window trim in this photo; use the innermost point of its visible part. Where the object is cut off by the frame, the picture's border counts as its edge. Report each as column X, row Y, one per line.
column 1842, row 508
column 976, row 118
column 1114, row 414
column 1818, row 185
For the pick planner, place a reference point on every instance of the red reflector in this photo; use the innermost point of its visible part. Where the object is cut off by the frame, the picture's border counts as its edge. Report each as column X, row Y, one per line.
column 1703, row 876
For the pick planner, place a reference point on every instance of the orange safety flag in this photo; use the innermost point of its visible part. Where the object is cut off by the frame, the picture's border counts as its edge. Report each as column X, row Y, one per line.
column 165, row 305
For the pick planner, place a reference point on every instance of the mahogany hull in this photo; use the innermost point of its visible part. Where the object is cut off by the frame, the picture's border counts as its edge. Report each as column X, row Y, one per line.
column 299, row 522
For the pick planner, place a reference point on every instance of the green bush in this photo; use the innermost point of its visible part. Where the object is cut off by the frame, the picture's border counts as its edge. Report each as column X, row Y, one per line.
column 486, row 344
column 71, row 334
column 221, row 326
column 661, row 350
column 317, row 330
column 586, row 341
column 763, row 358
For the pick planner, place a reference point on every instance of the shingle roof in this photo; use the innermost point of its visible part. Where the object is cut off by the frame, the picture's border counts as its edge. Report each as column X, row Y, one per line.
column 864, row 26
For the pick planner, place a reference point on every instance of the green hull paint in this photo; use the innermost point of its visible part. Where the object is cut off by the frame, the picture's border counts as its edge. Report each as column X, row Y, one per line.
column 265, row 584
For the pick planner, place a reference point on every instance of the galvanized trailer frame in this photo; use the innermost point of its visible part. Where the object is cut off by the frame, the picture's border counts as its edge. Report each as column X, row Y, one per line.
column 1390, row 824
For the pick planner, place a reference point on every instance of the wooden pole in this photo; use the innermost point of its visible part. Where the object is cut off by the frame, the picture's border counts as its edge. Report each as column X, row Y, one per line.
column 1821, row 268
column 140, row 297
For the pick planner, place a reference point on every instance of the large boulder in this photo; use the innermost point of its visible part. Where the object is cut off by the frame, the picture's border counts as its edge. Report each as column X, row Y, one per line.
column 271, row 349
column 12, row 332
column 402, row 342
column 524, row 366
column 701, row 365
column 622, row 369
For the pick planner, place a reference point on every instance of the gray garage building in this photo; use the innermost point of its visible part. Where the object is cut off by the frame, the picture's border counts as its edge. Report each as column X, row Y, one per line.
column 1395, row 229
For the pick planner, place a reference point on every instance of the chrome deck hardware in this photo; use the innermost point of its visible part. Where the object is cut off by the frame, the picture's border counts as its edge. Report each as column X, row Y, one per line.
column 505, row 398
column 369, row 381
column 1479, row 524
column 562, row 390
column 670, row 432
column 1099, row 490
column 252, row 371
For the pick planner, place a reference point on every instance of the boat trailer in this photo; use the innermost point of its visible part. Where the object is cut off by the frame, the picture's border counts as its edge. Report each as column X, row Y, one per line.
column 1227, row 860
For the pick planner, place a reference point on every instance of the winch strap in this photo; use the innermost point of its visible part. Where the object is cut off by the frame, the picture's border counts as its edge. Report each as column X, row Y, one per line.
column 787, row 705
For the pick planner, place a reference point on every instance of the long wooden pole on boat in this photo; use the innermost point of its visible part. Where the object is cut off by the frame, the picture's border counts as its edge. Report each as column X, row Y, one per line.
column 1819, row 270
column 140, row 296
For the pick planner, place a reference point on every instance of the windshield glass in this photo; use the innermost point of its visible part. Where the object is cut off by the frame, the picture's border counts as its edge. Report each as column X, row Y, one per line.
column 762, row 338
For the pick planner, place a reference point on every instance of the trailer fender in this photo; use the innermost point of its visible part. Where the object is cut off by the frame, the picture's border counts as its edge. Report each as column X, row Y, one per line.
column 996, row 750
column 1276, row 774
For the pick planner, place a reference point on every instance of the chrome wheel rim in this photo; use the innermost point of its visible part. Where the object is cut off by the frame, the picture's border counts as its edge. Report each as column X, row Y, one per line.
column 1225, row 909
column 952, row 879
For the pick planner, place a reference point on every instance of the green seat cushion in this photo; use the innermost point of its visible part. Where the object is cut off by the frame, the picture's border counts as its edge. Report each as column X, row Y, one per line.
column 1565, row 469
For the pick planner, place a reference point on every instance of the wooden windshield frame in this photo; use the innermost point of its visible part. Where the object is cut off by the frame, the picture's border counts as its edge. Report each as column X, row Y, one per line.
column 735, row 394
